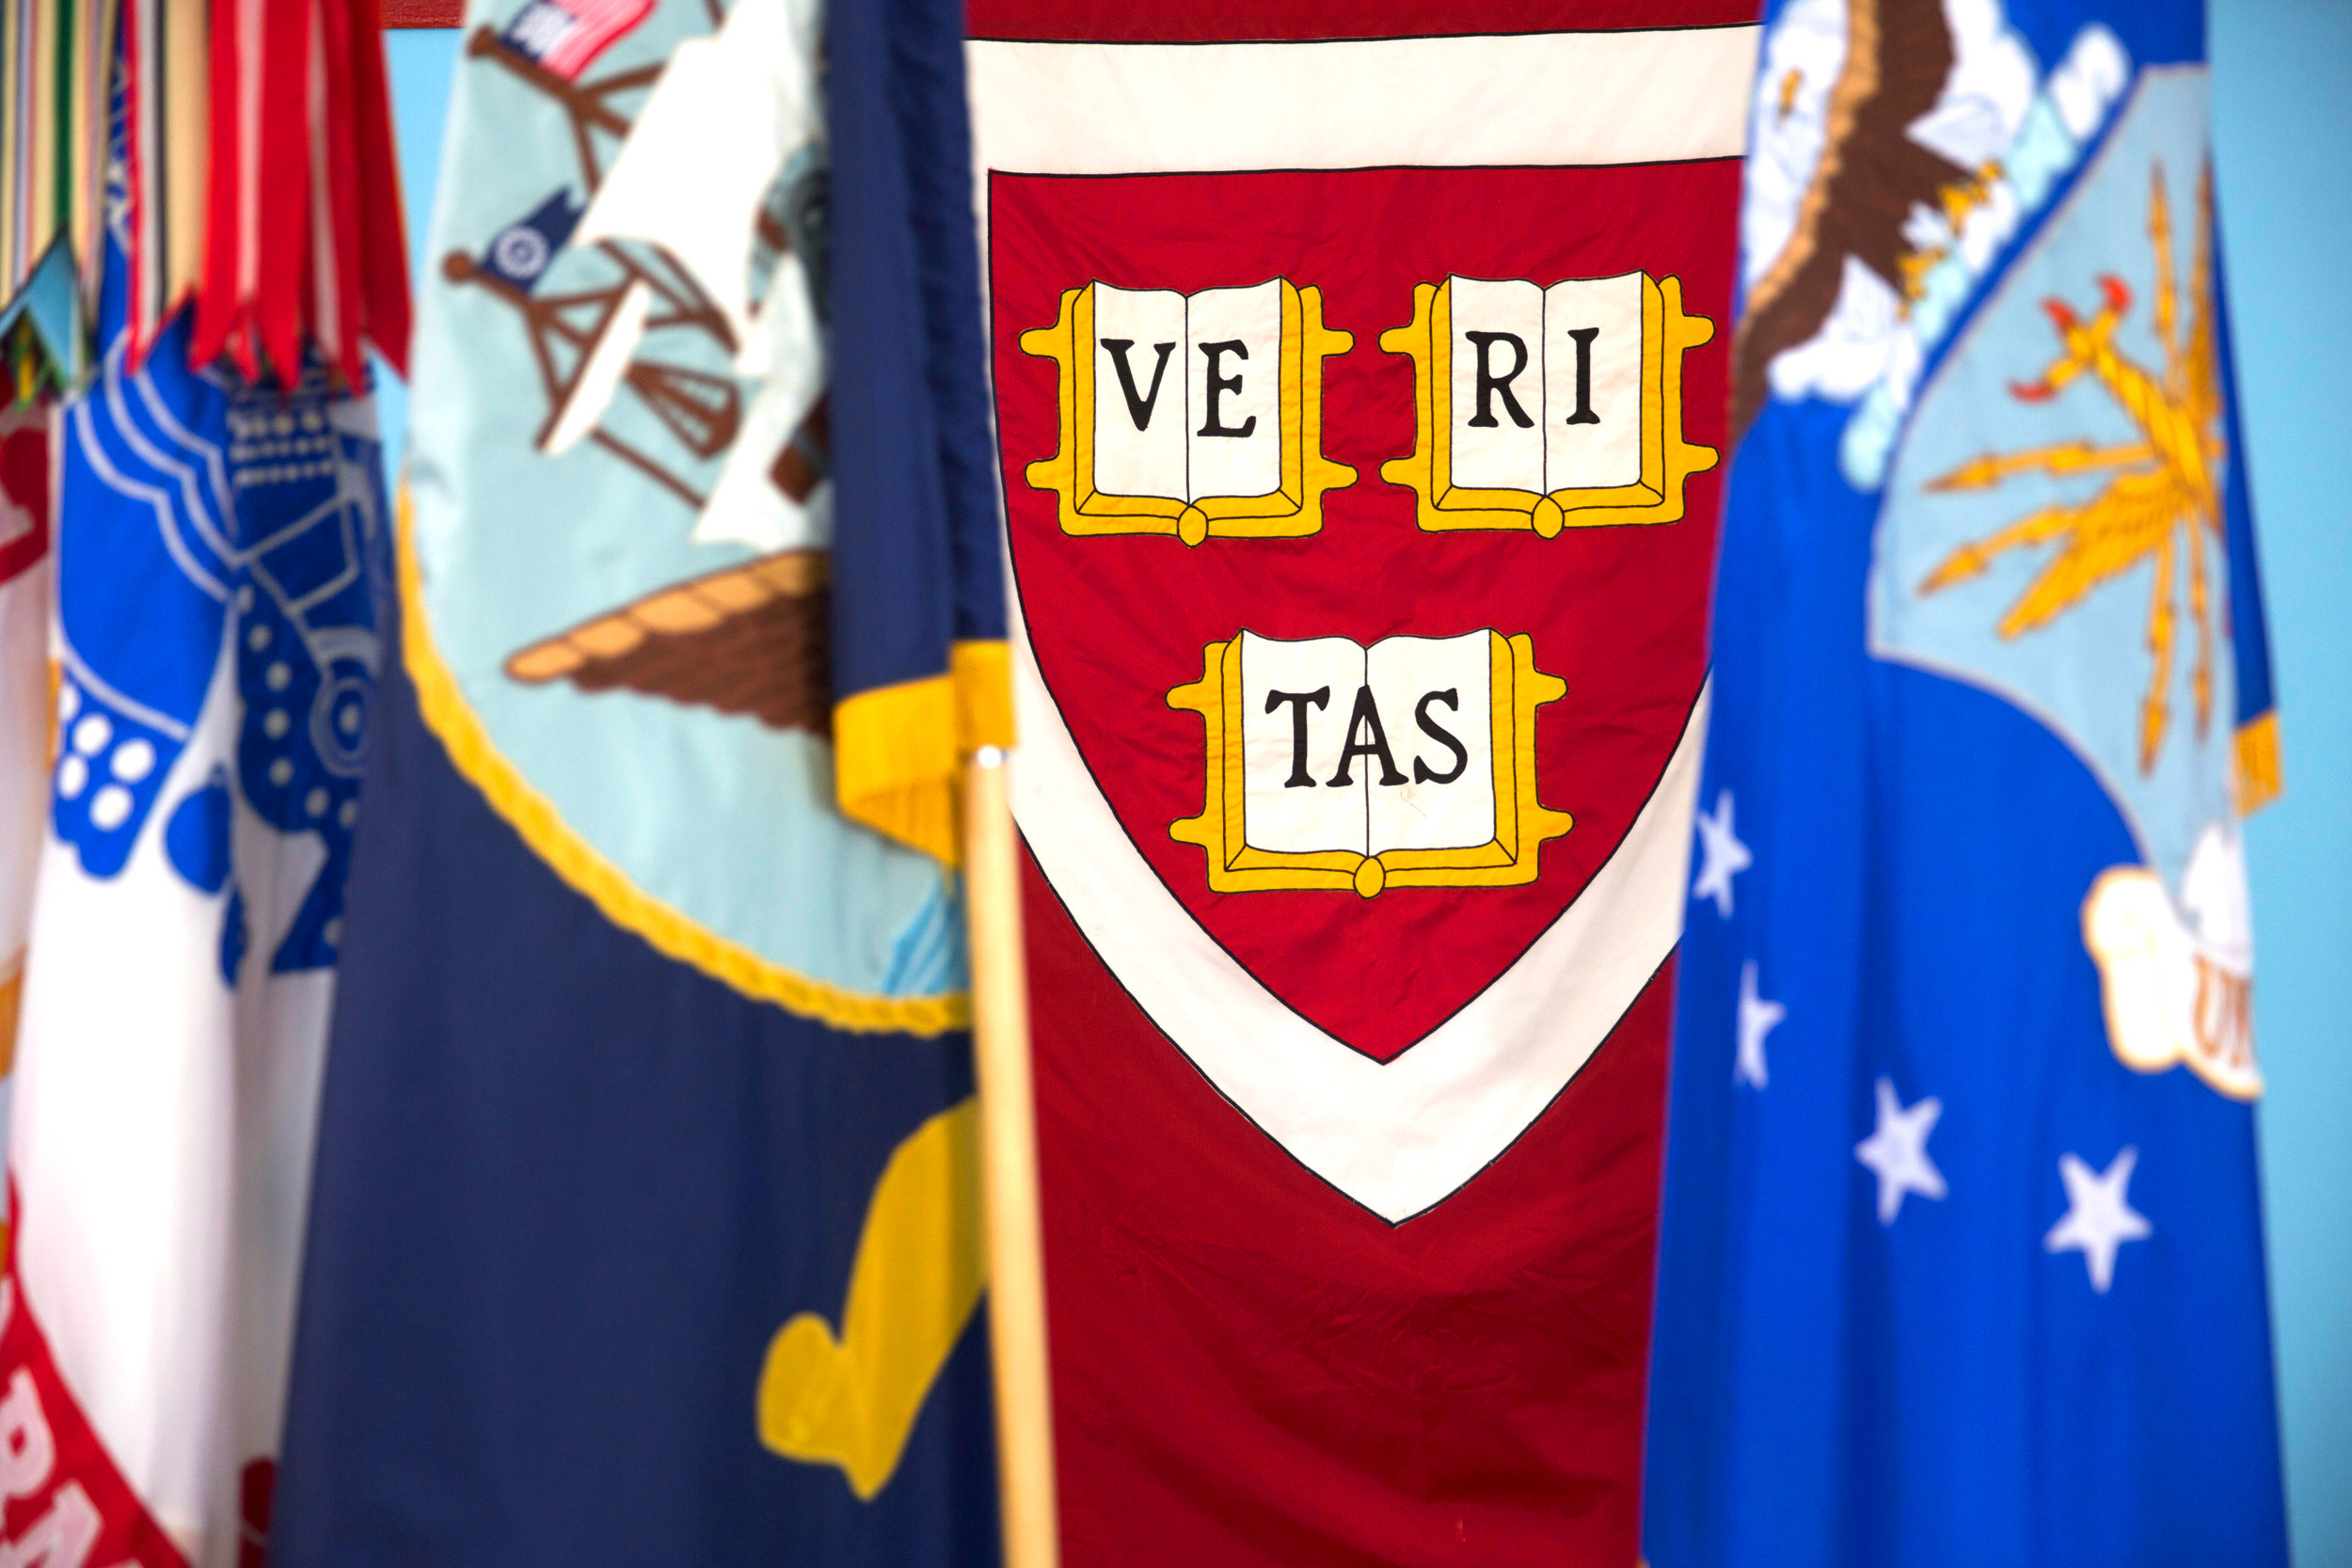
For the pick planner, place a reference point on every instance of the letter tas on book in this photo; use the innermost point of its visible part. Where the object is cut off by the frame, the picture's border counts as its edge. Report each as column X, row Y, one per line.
column 1409, row 763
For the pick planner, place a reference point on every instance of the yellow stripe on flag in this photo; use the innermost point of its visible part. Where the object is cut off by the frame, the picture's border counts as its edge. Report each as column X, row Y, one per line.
column 898, row 750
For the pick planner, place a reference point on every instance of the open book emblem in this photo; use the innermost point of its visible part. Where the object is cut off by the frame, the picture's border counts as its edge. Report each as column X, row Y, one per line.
column 1547, row 408
column 1190, row 414
column 1410, row 763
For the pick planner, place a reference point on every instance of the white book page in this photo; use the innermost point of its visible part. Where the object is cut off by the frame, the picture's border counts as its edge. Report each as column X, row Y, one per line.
column 1234, row 341
column 1426, row 684
column 1593, row 390
column 1279, row 812
column 1499, row 328
column 1139, row 420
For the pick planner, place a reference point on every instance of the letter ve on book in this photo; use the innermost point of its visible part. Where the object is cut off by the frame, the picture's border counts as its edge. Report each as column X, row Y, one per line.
column 1195, row 415
column 1545, row 409
column 1407, row 763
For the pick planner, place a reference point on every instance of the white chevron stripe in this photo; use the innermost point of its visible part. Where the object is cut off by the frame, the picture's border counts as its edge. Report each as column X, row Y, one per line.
column 1397, row 1136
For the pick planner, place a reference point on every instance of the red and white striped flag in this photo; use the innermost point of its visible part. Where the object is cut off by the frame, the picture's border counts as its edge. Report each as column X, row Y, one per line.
column 305, row 238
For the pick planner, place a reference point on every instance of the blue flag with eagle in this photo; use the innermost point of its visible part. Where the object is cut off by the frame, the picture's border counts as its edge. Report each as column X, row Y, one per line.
column 1961, row 1256
column 645, row 1226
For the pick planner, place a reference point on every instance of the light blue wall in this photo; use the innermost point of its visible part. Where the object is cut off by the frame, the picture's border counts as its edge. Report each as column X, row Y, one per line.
column 422, row 62
column 2282, row 113
column 2282, row 134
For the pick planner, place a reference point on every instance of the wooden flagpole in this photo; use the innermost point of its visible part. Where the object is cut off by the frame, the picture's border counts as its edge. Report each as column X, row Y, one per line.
column 1008, row 1186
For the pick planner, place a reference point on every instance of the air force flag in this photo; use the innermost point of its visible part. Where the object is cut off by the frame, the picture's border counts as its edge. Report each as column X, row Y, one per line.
column 1962, row 1255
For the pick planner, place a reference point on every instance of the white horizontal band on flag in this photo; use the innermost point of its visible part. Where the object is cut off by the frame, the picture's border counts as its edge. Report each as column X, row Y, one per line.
column 1543, row 98
column 1396, row 1136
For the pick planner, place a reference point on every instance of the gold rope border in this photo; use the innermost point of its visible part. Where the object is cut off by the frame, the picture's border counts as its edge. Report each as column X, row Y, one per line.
column 670, row 932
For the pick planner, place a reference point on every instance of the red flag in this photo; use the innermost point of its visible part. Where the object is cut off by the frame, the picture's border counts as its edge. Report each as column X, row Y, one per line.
column 1358, row 402
column 305, row 241
column 224, row 299
column 380, row 237
column 283, row 194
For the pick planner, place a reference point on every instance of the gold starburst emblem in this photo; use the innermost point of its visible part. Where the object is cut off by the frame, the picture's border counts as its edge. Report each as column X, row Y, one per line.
column 2163, row 501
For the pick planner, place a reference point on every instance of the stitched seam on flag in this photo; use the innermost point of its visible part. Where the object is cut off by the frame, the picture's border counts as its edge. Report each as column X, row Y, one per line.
column 671, row 933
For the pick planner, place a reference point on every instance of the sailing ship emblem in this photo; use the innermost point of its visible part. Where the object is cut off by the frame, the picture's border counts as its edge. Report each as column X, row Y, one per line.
column 716, row 182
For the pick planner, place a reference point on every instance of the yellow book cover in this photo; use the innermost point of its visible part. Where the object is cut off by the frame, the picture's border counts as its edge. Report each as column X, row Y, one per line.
column 1544, row 409
column 1198, row 414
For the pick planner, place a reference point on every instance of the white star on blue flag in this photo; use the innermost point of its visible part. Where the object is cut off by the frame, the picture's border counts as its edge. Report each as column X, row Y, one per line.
column 1758, row 1016
column 2099, row 1217
column 1897, row 1151
column 1722, row 856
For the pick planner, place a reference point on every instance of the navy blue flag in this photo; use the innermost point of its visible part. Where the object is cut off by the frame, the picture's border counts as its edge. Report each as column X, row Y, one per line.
column 646, row 1224
column 1962, row 1255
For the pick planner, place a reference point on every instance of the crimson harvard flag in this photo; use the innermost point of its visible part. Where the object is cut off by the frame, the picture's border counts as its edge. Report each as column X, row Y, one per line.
column 1360, row 401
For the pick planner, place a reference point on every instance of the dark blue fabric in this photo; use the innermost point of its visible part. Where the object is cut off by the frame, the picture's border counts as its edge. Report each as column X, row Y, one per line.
column 916, row 559
column 565, row 1192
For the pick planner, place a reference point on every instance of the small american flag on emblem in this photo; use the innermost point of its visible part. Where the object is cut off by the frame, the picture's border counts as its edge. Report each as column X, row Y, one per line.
column 563, row 35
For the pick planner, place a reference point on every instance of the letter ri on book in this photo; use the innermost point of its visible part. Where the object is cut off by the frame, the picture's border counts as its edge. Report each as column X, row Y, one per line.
column 1190, row 414
column 1545, row 408
column 1407, row 763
